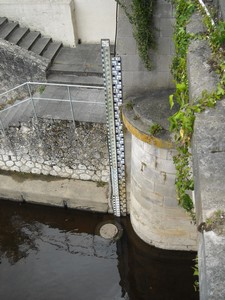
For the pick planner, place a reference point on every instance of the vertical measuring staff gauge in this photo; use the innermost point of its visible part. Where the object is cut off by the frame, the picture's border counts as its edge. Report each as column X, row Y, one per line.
column 114, row 98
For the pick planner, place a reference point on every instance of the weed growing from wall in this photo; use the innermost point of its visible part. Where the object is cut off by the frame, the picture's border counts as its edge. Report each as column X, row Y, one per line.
column 182, row 122
column 140, row 15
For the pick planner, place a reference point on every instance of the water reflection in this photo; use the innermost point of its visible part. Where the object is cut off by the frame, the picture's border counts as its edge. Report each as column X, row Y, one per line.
column 20, row 237
column 51, row 253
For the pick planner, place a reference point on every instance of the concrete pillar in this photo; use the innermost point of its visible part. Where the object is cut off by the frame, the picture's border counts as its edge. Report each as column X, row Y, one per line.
column 155, row 214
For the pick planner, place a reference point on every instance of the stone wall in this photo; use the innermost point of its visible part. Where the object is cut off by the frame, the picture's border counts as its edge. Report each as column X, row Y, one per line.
column 155, row 214
column 208, row 154
column 17, row 66
column 53, row 147
column 136, row 78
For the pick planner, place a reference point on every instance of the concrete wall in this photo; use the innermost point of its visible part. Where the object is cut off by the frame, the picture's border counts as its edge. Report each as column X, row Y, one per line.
column 208, row 145
column 154, row 211
column 96, row 20
column 50, row 147
column 136, row 78
column 222, row 8
column 52, row 18
column 65, row 20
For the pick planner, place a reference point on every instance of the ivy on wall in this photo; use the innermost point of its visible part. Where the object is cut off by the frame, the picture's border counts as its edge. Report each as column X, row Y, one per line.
column 140, row 15
column 182, row 122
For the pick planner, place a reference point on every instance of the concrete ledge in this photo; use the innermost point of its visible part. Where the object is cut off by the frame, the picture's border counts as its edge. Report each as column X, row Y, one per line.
column 141, row 112
column 208, row 150
column 54, row 191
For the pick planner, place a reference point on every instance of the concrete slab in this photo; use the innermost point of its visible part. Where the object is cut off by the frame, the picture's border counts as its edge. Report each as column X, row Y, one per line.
column 83, row 59
column 88, row 104
column 75, row 79
column 150, row 108
column 54, row 191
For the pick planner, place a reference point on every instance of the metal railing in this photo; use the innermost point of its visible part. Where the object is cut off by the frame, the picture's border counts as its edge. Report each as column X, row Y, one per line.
column 36, row 92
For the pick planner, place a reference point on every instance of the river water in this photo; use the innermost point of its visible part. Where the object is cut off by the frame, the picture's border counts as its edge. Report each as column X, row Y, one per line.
column 51, row 253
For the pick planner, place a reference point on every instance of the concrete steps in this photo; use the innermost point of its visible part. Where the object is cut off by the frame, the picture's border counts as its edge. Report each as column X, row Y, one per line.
column 41, row 44
column 27, row 39
column 7, row 28
column 80, row 65
column 52, row 50
column 16, row 36
column 75, row 79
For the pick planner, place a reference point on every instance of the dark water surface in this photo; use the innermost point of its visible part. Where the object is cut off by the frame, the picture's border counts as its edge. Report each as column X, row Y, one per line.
column 55, row 254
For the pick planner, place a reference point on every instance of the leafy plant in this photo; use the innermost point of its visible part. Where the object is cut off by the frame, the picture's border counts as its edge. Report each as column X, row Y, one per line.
column 100, row 183
column 41, row 89
column 196, row 273
column 129, row 105
column 140, row 15
column 182, row 122
column 217, row 37
column 155, row 128
column 136, row 117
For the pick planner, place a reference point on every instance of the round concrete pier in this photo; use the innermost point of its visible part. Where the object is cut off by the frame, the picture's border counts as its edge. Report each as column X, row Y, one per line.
column 154, row 211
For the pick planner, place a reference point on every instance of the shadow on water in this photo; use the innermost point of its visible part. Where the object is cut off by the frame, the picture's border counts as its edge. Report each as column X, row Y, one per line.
column 54, row 253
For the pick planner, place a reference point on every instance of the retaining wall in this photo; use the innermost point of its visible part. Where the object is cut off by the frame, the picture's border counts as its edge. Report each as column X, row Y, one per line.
column 53, row 147
column 136, row 78
column 17, row 66
column 208, row 154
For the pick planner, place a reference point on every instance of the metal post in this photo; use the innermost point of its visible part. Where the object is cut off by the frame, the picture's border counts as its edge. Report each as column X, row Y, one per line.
column 32, row 101
column 2, row 128
column 71, row 107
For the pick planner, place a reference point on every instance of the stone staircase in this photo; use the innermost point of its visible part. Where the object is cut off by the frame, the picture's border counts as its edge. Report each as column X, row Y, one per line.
column 80, row 65
column 27, row 39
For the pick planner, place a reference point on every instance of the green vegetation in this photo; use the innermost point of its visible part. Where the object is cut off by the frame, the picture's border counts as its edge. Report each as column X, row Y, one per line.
column 136, row 117
column 100, row 183
column 140, row 15
column 129, row 105
column 196, row 273
column 155, row 128
column 182, row 122
column 41, row 89
column 216, row 222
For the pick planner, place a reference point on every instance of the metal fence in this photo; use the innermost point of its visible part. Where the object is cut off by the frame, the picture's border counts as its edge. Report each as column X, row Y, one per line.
column 50, row 100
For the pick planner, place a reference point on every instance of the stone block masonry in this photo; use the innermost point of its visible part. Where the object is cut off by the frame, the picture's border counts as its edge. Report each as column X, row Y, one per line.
column 155, row 214
column 54, row 147
column 208, row 152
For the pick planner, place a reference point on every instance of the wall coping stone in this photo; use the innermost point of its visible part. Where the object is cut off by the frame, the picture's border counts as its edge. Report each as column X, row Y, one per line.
column 141, row 112
column 208, row 144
